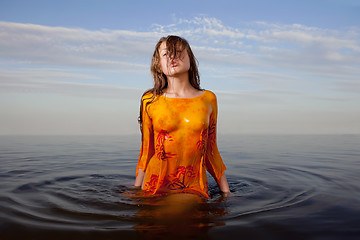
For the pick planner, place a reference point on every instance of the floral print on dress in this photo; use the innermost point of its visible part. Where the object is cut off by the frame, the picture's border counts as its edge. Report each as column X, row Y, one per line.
column 212, row 135
column 151, row 185
column 160, row 140
column 179, row 178
column 201, row 144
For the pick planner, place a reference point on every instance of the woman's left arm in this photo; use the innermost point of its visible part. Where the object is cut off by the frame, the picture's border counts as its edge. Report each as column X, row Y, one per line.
column 223, row 184
column 213, row 161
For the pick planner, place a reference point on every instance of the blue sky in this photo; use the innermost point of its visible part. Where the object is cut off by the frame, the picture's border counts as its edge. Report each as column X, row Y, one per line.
column 277, row 67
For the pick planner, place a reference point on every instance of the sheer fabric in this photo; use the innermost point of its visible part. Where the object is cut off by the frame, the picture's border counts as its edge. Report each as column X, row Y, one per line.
column 179, row 144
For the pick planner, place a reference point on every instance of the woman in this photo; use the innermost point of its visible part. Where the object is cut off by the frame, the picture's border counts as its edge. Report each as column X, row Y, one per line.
column 178, row 124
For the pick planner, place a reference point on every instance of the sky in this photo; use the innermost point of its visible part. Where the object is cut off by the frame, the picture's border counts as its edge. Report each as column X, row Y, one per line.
column 277, row 67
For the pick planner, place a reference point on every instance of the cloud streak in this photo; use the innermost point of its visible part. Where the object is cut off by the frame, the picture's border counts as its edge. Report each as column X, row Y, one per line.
column 36, row 44
column 260, row 70
column 257, row 54
column 59, row 82
column 259, row 40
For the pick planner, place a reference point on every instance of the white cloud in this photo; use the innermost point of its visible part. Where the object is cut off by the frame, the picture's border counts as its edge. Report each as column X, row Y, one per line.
column 36, row 44
column 249, row 52
column 55, row 81
column 259, row 44
column 305, row 51
column 257, row 68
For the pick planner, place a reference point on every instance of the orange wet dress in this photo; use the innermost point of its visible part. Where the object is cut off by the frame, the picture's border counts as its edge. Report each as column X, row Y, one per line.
column 179, row 144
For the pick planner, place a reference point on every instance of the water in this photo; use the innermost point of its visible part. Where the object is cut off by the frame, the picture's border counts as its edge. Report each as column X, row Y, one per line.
column 282, row 187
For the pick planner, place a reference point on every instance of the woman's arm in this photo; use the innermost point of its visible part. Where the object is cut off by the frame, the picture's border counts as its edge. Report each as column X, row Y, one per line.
column 139, row 178
column 223, row 184
column 147, row 143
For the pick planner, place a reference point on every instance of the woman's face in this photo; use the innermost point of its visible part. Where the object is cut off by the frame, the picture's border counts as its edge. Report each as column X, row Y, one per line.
column 173, row 67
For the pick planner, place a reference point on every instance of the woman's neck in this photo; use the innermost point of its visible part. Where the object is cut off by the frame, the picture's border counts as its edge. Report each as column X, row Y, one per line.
column 179, row 87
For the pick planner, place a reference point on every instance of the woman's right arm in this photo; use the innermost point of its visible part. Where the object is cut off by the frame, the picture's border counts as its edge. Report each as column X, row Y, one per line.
column 147, row 146
column 139, row 178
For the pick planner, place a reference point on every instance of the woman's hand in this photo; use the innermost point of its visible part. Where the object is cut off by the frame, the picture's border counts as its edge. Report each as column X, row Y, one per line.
column 223, row 185
column 139, row 178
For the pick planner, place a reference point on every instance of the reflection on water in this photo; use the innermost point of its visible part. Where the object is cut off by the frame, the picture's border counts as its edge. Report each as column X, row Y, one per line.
column 281, row 187
column 182, row 215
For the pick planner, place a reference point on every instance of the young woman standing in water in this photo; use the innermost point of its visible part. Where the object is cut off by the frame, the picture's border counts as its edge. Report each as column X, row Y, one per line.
column 178, row 124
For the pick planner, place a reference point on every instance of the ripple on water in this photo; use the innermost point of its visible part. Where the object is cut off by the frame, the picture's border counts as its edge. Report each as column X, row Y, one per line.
column 103, row 200
column 276, row 188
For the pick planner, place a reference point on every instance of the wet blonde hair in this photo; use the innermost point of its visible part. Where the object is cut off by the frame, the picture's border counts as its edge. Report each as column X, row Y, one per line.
column 160, row 80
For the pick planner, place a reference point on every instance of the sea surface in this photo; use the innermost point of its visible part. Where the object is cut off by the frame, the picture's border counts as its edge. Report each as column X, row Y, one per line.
column 80, row 187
